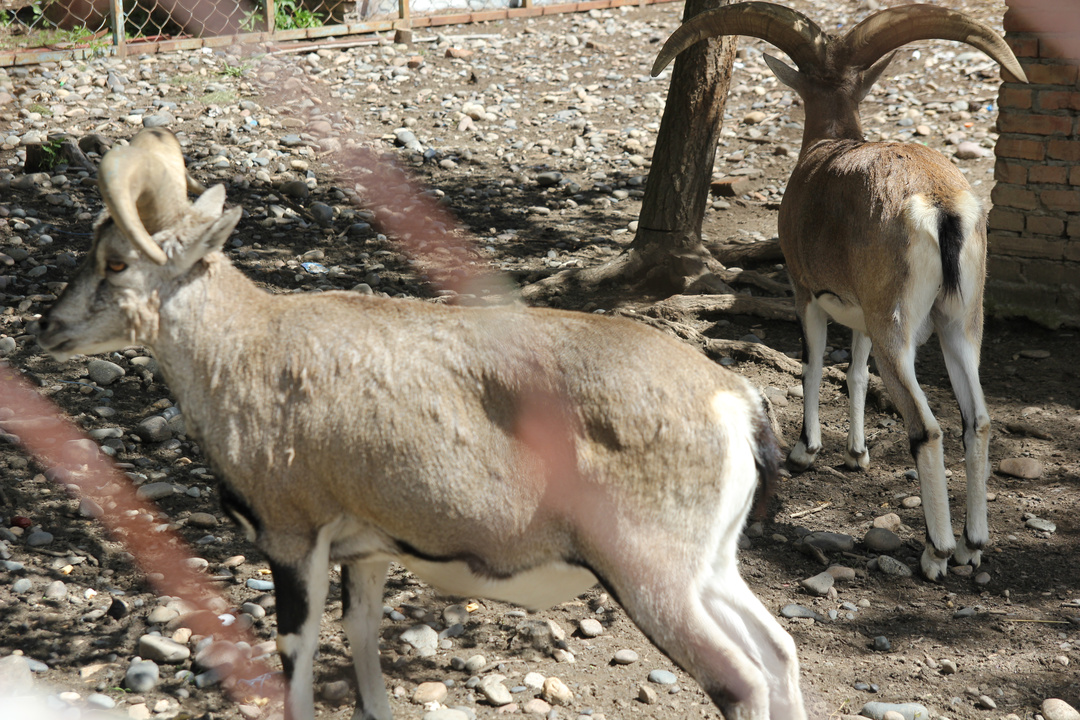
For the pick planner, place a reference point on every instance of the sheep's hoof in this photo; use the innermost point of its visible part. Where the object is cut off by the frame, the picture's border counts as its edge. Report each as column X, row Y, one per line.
column 857, row 460
column 933, row 567
column 801, row 457
column 967, row 556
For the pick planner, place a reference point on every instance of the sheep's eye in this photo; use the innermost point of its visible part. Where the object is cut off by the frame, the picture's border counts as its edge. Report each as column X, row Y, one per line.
column 116, row 266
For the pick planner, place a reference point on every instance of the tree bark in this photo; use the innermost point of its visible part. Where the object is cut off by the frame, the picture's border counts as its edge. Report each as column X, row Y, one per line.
column 667, row 255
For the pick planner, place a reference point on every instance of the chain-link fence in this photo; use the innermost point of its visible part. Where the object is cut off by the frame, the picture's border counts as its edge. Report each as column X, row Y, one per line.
column 41, row 30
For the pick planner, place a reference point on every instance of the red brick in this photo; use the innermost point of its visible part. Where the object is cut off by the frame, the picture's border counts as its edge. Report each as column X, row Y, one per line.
column 1072, row 253
column 1027, row 20
column 1014, row 197
column 1048, row 174
column 1023, row 46
column 1059, row 100
column 1074, row 175
column 1067, row 200
column 1068, row 150
column 1010, row 172
column 1059, row 46
column 1045, row 225
column 1015, row 97
column 1044, row 74
column 1003, row 219
column 1045, row 272
column 1026, row 247
column 1033, row 124
column 1073, row 230
column 1004, row 269
column 1045, row 15
column 1025, row 149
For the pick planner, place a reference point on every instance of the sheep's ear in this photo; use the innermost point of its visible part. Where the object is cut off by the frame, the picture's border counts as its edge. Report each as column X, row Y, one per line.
column 204, row 230
column 784, row 73
column 871, row 75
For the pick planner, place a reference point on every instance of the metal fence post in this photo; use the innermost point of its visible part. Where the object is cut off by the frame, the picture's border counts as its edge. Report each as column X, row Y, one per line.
column 119, row 37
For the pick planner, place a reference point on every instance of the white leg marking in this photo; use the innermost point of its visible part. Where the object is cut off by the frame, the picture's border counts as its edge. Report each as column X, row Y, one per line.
column 898, row 374
column 361, row 623
column 856, row 457
column 299, row 648
column 814, row 333
column 962, row 360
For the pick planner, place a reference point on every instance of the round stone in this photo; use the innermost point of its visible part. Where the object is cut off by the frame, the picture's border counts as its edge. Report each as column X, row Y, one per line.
column 625, row 656
column 662, row 677
column 591, row 628
column 882, row 540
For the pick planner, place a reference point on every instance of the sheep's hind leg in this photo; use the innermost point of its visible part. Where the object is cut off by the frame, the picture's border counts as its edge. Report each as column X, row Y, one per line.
column 856, row 457
column 813, row 322
column 962, row 360
column 301, row 588
column 362, row 593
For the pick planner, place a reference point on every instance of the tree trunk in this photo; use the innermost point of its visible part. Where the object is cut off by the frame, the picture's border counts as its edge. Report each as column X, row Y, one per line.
column 667, row 256
column 668, row 239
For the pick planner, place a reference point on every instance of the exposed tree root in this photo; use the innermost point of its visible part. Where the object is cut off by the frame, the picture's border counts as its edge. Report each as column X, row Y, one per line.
column 747, row 255
column 768, row 308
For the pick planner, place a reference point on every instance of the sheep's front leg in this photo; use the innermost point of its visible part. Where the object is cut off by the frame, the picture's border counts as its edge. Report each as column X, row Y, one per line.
column 361, row 610
column 300, row 588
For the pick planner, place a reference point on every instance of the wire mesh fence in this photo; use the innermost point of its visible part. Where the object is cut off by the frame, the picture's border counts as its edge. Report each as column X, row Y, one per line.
column 34, row 31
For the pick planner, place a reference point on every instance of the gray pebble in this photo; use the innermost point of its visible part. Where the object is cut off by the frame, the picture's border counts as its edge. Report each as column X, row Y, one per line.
column 104, row 372
column 475, row 664
column 100, row 702
column 7, row 346
column 547, row 179
column 663, row 677
column 154, row 429
column 455, row 615
column 162, row 119
column 1056, row 709
column 161, row 615
column 819, row 584
column 423, row 638
column 155, row 491
column 494, row 691
column 322, row 213
column 882, row 540
column 964, row 612
column 591, row 628
column 21, row 586
column 625, row 657
column 891, row 566
column 260, row 585
column 162, row 649
column 142, row 676
column 445, row 714
column 830, row 542
column 255, row 610
column 882, row 644
column 948, row 667
column 1037, row 523
column 798, row 611
column 39, row 538
column 909, row 711
column 56, row 590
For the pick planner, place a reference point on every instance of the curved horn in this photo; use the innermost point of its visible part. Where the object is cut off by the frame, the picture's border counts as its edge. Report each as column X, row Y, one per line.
column 144, row 187
column 883, row 32
column 787, row 29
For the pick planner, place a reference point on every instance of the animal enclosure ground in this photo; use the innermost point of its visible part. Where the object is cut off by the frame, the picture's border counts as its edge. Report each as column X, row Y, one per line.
column 520, row 102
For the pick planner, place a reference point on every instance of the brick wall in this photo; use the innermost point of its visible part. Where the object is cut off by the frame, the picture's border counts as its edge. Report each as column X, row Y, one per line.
column 1034, row 237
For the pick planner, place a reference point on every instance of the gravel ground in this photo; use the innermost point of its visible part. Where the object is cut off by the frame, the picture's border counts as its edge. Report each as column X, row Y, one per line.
column 536, row 136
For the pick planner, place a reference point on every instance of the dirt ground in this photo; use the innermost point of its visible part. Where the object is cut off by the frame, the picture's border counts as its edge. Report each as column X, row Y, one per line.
column 1011, row 632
